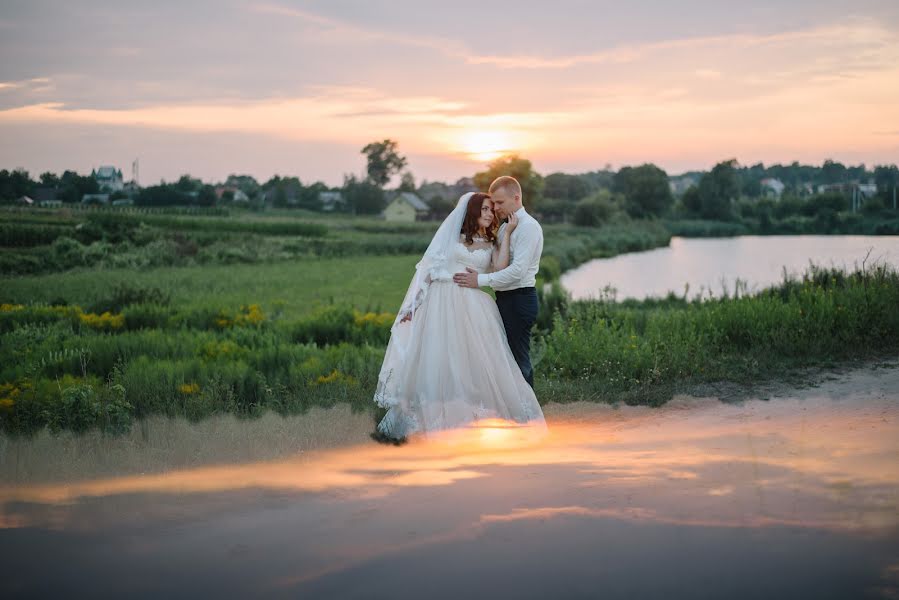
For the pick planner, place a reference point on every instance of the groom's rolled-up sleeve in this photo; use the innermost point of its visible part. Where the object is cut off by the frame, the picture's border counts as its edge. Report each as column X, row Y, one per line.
column 521, row 258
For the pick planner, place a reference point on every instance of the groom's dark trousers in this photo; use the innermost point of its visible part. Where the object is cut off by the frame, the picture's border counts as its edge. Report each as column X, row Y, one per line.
column 518, row 309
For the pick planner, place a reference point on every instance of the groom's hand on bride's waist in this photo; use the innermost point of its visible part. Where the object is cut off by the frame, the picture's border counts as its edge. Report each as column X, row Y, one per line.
column 467, row 279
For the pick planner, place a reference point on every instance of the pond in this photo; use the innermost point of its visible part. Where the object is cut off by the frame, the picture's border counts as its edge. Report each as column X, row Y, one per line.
column 714, row 264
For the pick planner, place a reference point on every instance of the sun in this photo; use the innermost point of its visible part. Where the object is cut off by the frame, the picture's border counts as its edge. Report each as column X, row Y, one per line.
column 486, row 145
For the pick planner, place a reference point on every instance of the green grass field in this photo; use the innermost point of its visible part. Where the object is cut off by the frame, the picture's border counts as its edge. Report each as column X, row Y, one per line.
column 299, row 287
column 113, row 317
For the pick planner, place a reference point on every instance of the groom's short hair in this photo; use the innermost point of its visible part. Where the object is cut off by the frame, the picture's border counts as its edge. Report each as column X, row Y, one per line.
column 505, row 182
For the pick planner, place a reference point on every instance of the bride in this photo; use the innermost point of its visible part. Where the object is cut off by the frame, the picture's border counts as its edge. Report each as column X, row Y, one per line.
column 448, row 363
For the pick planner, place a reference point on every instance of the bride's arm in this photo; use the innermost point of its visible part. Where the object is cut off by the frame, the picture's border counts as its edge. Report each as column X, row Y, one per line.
column 501, row 253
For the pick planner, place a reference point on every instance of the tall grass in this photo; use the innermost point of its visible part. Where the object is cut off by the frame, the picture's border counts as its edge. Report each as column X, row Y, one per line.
column 642, row 351
column 60, row 370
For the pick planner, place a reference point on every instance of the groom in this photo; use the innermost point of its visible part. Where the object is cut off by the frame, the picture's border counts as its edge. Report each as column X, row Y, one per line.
column 516, row 296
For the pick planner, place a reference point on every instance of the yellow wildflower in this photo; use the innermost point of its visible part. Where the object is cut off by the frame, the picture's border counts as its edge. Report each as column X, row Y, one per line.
column 375, row 319
column 188, row 388
column 335, row 376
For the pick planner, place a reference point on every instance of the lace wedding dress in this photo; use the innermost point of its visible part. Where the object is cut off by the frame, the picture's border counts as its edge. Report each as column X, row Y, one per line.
column 450, row 365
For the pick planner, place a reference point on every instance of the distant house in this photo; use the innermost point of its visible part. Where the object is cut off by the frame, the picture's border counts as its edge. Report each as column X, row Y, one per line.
column 331, row 201
column 237, row 194
column 95, row 199
column 45, row 197
column 772, row 188
column 407, row 207
column 25, row 200
column 867, row 189
column 45, row 194
column 109, row 179
column 843, row 188
column 131, row 188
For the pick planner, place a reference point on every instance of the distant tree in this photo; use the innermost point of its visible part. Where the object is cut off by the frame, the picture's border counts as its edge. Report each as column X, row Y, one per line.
column 833, row 172
column 363, row 197
column 856, row 173
column 718, row 190
column 556, row 210
column 309, row 196
column 440, row 205
column 383, row 161
column 73, row 187
column 49, row 179
column 164, row 194
column 245, row 183
column 602, row 179
column 873, row 206
column 751, row 188
column 691, row 201
column 562, row 186
column 407, row 183
column 594, row 211
column 272, row 182
column 886, row 177
column 284, row 192
column 436, row 189
column 829, row 201
column 519, row 168
column 206, row 196
column 14, row 184
column 186, row 183
column 646, row 190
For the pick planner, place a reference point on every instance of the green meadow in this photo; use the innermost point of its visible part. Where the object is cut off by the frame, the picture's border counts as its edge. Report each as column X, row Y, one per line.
column 107, row 317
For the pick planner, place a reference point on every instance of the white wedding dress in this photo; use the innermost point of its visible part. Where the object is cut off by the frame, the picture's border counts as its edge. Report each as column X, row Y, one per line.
column 451, row 366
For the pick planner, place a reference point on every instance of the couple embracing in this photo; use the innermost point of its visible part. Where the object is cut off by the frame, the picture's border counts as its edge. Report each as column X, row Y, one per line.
column 455, row 357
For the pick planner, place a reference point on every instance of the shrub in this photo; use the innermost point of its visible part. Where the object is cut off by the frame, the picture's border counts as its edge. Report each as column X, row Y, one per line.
column 146, row 316
column 67, row 253
column 593, row 211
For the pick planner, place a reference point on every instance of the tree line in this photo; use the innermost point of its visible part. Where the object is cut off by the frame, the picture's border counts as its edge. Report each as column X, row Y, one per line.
column 728, row 191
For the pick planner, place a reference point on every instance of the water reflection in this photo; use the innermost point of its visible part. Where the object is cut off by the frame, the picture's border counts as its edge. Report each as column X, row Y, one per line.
column 803, row 489
column 715, row 264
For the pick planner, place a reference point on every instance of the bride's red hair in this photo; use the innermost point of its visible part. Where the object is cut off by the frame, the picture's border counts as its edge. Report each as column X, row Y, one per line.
column 470, row 224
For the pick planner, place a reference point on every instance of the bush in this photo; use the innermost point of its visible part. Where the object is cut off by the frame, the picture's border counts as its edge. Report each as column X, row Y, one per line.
column 146, row 316
column 593, row 211
column 550, row 269
column 124, row 294
column 340, row 324
column 67, row 253
column 27, row 235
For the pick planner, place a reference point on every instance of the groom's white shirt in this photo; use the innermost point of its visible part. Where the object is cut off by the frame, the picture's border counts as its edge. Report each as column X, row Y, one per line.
column 525, row 248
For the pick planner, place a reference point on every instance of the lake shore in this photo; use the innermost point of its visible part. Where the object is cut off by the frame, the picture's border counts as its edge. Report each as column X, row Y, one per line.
column 159, row 444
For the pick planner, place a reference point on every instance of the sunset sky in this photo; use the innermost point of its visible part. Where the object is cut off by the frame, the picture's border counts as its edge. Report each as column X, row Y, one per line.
column 292, row 87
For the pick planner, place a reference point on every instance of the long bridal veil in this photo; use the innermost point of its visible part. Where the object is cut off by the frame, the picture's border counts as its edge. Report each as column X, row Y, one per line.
column 406, row 327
